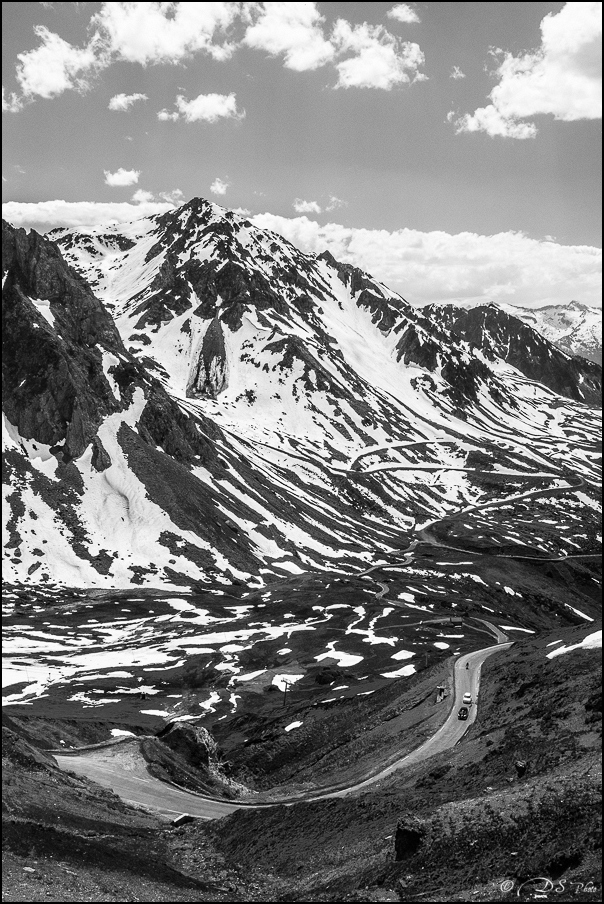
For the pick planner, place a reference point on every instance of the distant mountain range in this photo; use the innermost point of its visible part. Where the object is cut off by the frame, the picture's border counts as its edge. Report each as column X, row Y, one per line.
column 575, row 328
column 187, row 398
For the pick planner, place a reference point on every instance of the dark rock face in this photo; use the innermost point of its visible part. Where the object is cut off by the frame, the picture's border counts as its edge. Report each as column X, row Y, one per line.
column 163, row 424
column 500, row 335
column 194, row 744
column 54, row 389
column 410, row 831
column 100, row 457
column 37, row 267
column 209, row 371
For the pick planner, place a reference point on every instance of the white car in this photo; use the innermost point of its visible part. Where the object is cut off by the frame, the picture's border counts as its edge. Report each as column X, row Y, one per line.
column 467, row 699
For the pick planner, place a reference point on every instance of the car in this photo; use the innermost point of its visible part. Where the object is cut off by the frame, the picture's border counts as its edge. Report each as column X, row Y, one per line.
column 463, row 713
column 467, row 699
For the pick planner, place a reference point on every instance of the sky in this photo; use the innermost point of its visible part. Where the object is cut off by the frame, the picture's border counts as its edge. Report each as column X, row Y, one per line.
column 453, row 150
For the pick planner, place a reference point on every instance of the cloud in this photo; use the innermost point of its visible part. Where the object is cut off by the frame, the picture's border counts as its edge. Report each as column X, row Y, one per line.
column 56, row 66
column 141, row 196
column 174, row 198
column 456, row 73
column 218, row 187
column 291, row 30
column 166, row 116
column 123, row 102
column 365, row 56
column 403, row 13
column 46, row 215
column 138, row 32
column 301, row 206
column 10, row 102
column 563, row 77
column 334, row 203
column 121, row 177
column 148, row 33
column 380, row 59
column 437, row 266
column 205, row 108
column 489, row 120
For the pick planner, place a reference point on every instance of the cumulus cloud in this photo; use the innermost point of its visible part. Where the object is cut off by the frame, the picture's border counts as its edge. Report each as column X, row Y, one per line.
column 123, row 102
column 205, row 108
column 456, row 73
column 379, row 60
column 166, row 116
column 141, row 196
column 121, row 177
column 219, row 187
column 46, row 215
column 403, row 13
column 138, row 32
column 489, row 120
column 10, row 102
column 174, row 198
column 301, row 206
column 365, row 56
column 563, row 77
column 334, row 203
column 56, row 66
column 148, row 33
column 291, row 30
column 436, row 266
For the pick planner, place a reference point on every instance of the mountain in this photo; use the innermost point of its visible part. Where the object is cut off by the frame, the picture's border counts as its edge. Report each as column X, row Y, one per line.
column 500, row 334
column 188, row 399
column 256, row 506
column 575, row 328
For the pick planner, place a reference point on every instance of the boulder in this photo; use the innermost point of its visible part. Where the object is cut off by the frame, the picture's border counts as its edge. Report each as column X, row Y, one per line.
column 410, row 832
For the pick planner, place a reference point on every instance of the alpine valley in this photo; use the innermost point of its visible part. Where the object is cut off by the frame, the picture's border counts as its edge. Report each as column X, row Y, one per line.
column 254, row 492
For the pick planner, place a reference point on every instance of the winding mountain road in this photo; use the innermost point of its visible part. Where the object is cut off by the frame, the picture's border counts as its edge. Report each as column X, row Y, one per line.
column 121, row 766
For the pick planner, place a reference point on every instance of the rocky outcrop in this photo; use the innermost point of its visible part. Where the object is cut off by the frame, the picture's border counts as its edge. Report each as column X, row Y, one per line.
column 54, row 389
column 37, row 267
column 209, row 372
column 410, row 832
column 192, row 742
column 100, row 457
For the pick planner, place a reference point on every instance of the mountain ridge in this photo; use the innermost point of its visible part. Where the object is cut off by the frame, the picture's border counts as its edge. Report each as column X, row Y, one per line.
column 576, row 328
column 227, row 387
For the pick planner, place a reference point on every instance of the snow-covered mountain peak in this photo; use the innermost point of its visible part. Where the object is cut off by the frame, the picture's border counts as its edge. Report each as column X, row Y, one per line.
column 221, row 406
